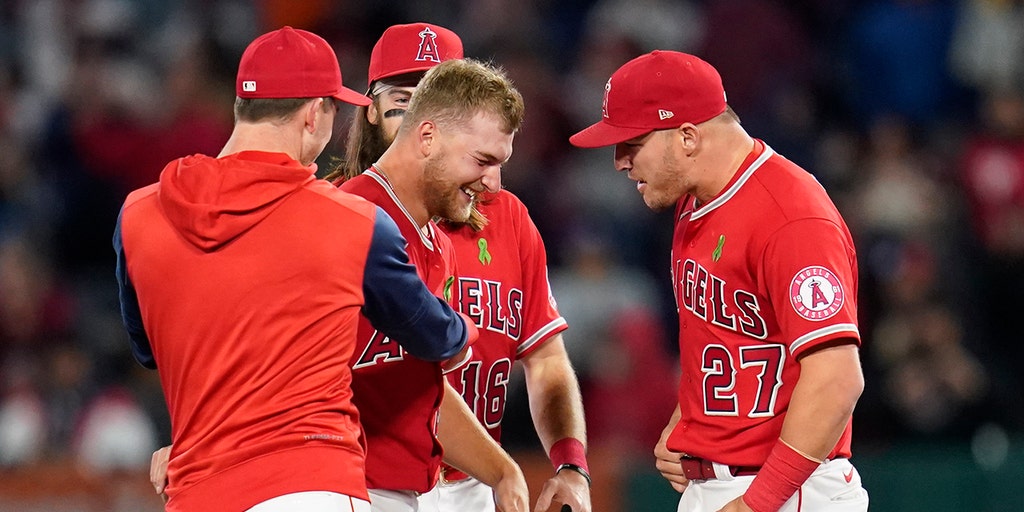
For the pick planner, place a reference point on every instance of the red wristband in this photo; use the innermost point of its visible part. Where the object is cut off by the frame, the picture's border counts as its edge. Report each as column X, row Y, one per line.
column 782, row 474
column 568, row 450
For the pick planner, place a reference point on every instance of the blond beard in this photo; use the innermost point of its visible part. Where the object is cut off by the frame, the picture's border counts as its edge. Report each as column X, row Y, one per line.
column 441, row 195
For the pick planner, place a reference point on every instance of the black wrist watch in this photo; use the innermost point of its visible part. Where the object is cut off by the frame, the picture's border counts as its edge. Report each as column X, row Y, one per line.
column 577, row 469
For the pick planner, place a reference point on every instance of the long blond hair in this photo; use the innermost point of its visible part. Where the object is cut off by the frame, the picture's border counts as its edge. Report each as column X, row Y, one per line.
column 366, row 143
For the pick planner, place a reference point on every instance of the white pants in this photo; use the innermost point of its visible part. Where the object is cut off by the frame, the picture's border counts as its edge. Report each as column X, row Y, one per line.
column 827, row 489
column 313, row 501
column 469, row 495
column 393, row 501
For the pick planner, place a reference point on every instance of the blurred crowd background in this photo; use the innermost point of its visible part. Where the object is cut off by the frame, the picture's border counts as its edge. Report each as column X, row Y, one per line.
column 909, row 112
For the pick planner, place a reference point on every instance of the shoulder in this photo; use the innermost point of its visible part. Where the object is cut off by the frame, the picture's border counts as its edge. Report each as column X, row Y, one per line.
column 505, row 212
column 361, row 185
column 793, row 191
column 342, row 198
column 143, row 193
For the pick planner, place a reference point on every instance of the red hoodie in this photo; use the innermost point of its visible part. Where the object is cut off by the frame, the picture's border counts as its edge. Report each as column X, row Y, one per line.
column 242, row 279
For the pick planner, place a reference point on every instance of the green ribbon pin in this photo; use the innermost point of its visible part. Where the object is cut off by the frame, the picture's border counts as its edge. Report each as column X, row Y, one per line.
column 717, row 254
column 448, row 288
column 485, row 257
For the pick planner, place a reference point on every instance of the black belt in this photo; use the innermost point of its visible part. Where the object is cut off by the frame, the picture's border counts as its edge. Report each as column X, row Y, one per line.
column 703, row 469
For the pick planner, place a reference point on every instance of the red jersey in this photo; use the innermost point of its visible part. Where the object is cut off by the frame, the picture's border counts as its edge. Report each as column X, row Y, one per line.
column 253, row 342
column 503, row 287
column 239, row 326
column 399, row 396
column 762, row 273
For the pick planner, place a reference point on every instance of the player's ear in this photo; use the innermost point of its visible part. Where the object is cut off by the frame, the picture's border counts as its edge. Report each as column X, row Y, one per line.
column 372, row 113
column 688, row 136
column 427, row 134
column 310, row 112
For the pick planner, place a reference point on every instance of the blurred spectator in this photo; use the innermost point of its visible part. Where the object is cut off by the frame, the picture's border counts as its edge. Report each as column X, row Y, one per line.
column 987, row 49
column 593, row 292
column 22, row 417
column 930, row 382
column 632, row 389
column 35, row 311
column 896, row 54
column 652, row 24
column 992, row 176
column 898, row 191
column 768, row 59
column 115, row 434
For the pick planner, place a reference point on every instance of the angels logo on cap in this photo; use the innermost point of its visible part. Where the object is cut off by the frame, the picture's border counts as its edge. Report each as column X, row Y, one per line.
column 816, row 293
column 428, row 47
column 412, row 48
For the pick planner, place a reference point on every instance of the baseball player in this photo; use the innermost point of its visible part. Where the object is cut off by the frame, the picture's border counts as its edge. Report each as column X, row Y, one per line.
column 765, row 279
column 251, row 342
column 449, row 148
column 502, row 285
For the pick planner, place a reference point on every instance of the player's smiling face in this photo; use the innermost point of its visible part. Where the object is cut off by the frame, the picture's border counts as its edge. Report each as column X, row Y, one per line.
column 654, row 163
column 466, row 163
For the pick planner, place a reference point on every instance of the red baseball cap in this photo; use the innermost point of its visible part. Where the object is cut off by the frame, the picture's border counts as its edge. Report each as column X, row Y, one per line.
column 655, row 91
column 410, row 48
column 292, row 63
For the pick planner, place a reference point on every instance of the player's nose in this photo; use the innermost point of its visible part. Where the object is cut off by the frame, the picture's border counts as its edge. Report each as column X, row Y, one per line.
column 491, row 179
column 623, row 158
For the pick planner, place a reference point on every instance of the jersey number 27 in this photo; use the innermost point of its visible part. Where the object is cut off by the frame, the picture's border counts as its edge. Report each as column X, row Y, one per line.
column 720, row 393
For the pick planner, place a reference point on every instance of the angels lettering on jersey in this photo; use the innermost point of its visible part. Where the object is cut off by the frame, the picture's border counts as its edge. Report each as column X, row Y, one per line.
column 491, row 307
column 484, row 301
column 704, row 294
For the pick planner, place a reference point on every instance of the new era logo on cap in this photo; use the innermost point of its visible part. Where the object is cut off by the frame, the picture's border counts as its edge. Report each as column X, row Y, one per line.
column 249, row 85
column 664, row 114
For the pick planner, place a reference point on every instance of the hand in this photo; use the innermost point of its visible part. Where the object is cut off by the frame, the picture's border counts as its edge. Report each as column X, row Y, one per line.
column 736, row 505
column 466, row 354
column 458, row 360
column 511, row 493
column 567, row 487
column 668, row 464
column 158, row 470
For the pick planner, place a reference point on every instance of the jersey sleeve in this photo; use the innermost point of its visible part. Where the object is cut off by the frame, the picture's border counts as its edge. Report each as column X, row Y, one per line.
column 541, row 318
column 811, row 271
column 131, row 314
column 398, row 304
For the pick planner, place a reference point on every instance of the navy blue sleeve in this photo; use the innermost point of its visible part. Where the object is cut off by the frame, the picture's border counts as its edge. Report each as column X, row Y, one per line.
column 399, row 305
column 130, row 313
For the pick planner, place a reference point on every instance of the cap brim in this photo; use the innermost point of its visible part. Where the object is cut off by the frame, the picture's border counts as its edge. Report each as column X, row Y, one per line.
column 349, row 96
column 602, row 134
column 406, row 71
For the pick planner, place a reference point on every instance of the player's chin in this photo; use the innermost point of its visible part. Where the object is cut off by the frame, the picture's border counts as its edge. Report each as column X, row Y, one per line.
column 657, row 203
column 459, row 212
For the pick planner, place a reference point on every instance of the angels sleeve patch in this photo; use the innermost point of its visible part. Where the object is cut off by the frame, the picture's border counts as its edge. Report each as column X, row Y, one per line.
column 816, row 293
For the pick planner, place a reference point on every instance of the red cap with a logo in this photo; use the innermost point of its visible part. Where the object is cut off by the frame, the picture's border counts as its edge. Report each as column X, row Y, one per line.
column 410, row 48
column 655, row 91
column 292, row 63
